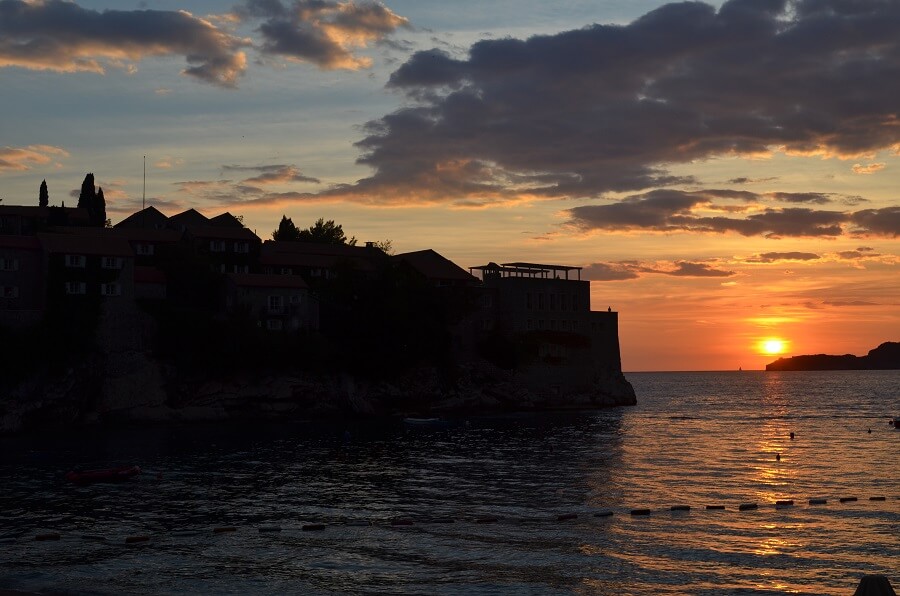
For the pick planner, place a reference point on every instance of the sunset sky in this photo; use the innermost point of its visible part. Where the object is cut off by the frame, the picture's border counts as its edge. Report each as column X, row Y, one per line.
column 727, row 173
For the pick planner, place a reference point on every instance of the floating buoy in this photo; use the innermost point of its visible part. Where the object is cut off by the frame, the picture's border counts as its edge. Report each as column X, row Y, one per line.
column 640, row 512
column 566, row 516
column 313, row 527
column 603, row 514
column 792, row 436
column 784, row 503
column 777, row 457
column 136, row 539
column 747, row 506
column 715, row 507
column 818, row 501
column 877, row 498
column 224, row 530
column 681, row 508
column 47, row 536
column 848, row 499
column 358, row 522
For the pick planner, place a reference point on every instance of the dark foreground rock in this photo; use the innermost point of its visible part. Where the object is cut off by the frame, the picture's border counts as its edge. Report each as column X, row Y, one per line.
column 884, row 357
column 124, row 388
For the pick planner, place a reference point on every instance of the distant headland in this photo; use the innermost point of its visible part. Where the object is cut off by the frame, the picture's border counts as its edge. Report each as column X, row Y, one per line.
column 884, row 357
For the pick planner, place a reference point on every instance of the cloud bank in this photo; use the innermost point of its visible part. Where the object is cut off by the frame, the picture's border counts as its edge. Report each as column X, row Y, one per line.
column 607, row 108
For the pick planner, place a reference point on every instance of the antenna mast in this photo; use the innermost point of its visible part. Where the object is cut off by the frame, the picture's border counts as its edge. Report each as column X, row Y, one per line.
column 144, row 191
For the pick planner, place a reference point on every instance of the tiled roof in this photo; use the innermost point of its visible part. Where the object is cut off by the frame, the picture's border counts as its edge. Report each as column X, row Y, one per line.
column 223, row 233
column 148, row 218
column 20, row 242
column 104, row 244
column 435, row 266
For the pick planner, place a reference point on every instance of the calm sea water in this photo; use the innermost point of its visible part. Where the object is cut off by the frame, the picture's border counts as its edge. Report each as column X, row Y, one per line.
column 695, row 439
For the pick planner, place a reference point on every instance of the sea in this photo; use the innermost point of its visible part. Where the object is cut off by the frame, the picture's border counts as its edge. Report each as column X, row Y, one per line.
column 538, row 503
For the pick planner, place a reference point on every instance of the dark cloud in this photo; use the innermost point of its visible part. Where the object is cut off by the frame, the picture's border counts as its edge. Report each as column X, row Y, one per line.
column 607, row 107
column 745, row 180
column 322, row 32
column 670, row 210
column 62, row 36
column 774, row 257
column 687, row 269
column 863, row 252
column 272, row 174
column 819, row 198
column 882, row 222
column 609, row 272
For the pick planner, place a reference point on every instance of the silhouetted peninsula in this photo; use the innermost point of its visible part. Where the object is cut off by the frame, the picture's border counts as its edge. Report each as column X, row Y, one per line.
column 884, row 357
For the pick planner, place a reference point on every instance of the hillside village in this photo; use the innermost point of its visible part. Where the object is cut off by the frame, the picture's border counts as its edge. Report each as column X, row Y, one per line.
column 204, row 299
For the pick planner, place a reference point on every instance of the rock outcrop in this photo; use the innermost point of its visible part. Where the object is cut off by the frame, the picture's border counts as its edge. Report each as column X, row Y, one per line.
column 884, row 357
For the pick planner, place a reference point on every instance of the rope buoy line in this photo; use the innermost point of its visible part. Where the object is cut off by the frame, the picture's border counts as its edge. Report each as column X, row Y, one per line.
column 408, row 521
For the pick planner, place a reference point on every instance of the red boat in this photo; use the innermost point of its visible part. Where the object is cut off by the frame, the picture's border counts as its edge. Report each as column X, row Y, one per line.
column 106, row 475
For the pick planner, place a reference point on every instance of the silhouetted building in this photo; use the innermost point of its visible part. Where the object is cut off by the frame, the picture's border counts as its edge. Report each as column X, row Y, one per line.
column 274, row 302
column 79, row 265
column 438, row 270
column 317, row 262
column 26, row 220
column 21, row 280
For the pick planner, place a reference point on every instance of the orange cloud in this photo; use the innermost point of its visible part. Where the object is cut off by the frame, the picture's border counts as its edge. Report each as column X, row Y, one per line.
column 867, row 169
column 22, row 159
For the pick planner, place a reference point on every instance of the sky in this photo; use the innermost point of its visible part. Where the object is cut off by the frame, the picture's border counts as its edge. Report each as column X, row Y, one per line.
column 726, row 173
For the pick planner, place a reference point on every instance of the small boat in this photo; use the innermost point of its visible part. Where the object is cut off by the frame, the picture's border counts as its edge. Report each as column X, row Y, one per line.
column 105, row 475
column 422, row 421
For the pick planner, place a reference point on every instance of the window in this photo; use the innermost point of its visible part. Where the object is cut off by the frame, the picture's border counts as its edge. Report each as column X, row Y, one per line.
column 287, row 271
column 276, row 304
column 528, row 304
column 487, row 324
column 145, row 250
column 217, row 246
column 274, row 325
column 552, row 301
column 111, row 289
column 242, row 247
column 540, row 301
column 564, row 301
column 241, row 269
column 76, row 287
column 10, row 291
column 529, row 325
column 487, row 301
column 541, row 324
column 565, row 325
column 316, row 272
column 295, row 299
column 112, row 263
column 553, row 324
column 7, row 264
column 75, row 261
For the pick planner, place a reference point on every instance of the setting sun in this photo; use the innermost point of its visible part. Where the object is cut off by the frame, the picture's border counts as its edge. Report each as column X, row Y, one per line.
column 772, row 346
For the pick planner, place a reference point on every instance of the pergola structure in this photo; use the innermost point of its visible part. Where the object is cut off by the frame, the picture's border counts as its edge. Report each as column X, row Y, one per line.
column 533, row 270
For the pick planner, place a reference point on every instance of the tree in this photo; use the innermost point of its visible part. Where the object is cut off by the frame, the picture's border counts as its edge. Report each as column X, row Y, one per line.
column 43, row 195
column 88, row 194
column 98, row 215
column 385, row 246
column 286, row 231
column 326, row 232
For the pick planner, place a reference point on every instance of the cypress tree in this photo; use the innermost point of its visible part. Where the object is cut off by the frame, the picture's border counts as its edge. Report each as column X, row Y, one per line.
column 99, row 214
column 88, row 194
column 43, row 195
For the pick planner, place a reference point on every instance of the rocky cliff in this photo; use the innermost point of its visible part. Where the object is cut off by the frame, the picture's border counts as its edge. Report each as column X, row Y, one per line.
column 122, row 383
